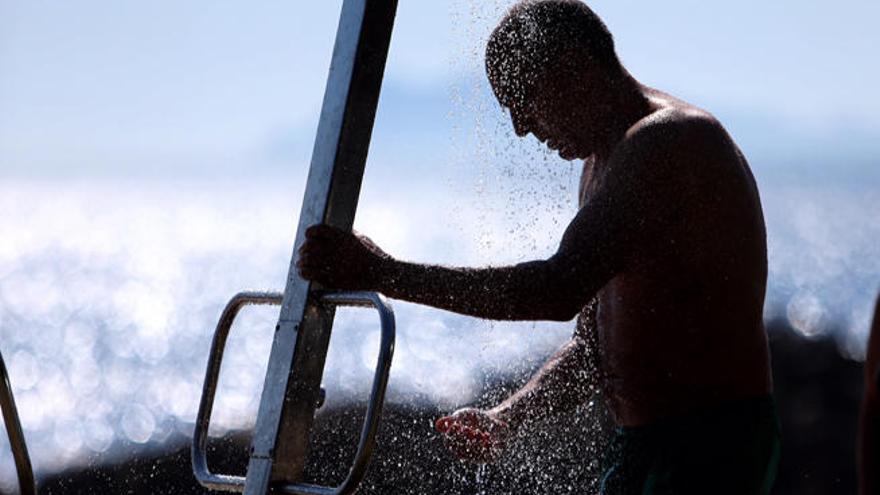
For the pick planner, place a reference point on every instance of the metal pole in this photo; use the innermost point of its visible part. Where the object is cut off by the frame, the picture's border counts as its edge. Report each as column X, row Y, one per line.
column 299, row 349
column 26, row 483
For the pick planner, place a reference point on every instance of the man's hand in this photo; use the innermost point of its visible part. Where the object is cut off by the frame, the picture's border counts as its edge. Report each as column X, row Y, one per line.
column 474, row 435
column 340, row 260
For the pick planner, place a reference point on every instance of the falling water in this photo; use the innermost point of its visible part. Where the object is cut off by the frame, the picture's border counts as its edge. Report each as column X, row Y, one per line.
column 524, row 196
column 109, row 292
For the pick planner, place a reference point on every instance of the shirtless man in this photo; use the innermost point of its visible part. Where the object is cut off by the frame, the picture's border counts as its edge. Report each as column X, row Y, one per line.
column 670, row 243
column 869, row 431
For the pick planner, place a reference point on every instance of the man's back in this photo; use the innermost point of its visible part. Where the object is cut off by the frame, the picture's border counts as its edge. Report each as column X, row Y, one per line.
column 680, row 325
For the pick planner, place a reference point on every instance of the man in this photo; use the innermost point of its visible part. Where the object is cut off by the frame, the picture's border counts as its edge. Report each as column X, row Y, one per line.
column 869, row 431
column 669, row 241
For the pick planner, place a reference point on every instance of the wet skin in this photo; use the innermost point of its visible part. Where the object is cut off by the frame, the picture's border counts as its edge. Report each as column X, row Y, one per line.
column 680, row 321
column 669, row 239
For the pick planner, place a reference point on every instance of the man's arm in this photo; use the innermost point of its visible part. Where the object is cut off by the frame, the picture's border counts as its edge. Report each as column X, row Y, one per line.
column 539, row 290
column 561, row 385
column 565, row 381
column 635, row 200
column 551, row 289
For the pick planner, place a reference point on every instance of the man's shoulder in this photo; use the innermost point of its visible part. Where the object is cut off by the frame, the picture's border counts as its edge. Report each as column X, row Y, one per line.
column 671, row 145
column 671, row 127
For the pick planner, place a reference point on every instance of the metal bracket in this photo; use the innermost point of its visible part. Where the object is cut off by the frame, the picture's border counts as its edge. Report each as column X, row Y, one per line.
column 374, row 408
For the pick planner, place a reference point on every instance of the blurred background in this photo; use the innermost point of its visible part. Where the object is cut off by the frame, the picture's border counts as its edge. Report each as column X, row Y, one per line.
column 152, row 163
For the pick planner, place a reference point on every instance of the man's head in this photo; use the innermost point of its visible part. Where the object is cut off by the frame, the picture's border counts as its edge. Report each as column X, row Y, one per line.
column 552, row 64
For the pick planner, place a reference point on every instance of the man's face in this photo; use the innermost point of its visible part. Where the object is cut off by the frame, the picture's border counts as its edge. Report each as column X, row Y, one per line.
column 563, row 113
column 551, row 123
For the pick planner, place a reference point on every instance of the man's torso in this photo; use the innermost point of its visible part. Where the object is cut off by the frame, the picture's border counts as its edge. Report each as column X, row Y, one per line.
column 680, row 328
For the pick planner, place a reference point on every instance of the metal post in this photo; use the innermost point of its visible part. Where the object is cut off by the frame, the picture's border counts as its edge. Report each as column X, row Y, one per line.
column 26, row 483
column 299, row 349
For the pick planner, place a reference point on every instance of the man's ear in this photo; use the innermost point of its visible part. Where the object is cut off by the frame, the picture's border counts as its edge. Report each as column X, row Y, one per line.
column 572, row 62
column 573, row 68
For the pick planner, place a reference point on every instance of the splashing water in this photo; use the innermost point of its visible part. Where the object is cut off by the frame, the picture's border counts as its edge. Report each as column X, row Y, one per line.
column 109, row 291
column 109, row 294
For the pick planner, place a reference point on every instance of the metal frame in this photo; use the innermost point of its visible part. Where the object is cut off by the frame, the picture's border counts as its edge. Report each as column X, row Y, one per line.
column 26, row 483
column 374, row 407
column 292, row 385
column 291, row 389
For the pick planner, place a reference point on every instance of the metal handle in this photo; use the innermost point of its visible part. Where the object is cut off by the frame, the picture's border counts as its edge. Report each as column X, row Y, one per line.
column 377, row 395
column 209, row 389
column 26, row 483
column 374, row 408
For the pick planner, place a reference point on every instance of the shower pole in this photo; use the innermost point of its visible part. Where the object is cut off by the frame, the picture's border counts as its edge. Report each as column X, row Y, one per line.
column 291, row 391
column 292, row 387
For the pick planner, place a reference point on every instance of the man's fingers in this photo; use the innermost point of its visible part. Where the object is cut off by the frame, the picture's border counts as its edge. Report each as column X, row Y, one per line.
column 316, row 230
column 319, row 231
column 442, row 425
column 313, row 268
column 313, row 275
column 470, row 450
column 312, row 246
column 314, row 252
column 459, row 431
column 449, row 425
column 446, row 422
column 474, row 433
column 464, row 421
column 310, row 263
column 471, row 418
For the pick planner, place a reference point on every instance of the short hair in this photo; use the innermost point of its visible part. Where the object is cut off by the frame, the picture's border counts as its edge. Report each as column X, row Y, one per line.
column 533, row 35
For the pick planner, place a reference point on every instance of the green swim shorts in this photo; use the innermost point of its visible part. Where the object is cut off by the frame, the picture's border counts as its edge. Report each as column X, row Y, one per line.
column 729, row 449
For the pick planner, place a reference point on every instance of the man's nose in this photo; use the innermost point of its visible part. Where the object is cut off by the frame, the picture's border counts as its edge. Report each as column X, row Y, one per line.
column 520, row 127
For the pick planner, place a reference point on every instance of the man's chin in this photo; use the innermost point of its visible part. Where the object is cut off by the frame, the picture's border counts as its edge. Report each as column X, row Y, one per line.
column 571, row 154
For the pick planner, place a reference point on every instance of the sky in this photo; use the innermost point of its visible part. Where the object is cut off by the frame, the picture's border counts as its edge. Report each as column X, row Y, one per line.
column 153, row 154
column 207, row 89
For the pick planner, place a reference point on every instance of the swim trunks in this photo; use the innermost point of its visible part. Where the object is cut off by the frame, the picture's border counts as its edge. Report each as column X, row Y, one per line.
column 732, row 449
